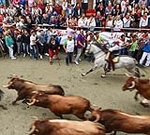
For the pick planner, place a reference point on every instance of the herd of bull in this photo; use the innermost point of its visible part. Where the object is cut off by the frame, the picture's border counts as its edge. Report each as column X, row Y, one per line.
column 98, row 122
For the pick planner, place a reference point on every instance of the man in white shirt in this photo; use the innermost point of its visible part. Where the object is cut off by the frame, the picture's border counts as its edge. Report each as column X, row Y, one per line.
column 33, row 46
column 82, row 22
column 69, row 49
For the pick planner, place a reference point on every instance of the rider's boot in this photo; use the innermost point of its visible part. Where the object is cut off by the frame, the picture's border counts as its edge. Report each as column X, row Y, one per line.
column 112, row 65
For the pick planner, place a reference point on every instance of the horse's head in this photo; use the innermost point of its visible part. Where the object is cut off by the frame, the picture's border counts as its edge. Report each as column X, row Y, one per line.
column 92, row 48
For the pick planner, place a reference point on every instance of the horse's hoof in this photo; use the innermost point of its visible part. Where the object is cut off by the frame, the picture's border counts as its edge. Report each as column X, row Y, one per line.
column 146, row 105
column 102, row 76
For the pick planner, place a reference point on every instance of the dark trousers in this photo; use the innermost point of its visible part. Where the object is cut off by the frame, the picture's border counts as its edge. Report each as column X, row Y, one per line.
column 69, row 58
column 41, row 49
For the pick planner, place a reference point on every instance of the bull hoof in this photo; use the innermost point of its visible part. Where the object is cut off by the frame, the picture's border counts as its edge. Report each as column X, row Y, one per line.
column 146, row 105
column 103, row 76
column 5, row 108
column 14, row 103
column 83, row 74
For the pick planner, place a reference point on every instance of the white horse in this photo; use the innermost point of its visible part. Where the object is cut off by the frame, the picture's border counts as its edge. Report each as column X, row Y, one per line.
column 126, row 62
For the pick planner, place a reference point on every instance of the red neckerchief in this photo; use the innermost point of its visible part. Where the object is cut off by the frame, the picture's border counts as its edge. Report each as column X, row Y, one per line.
column 144, row 17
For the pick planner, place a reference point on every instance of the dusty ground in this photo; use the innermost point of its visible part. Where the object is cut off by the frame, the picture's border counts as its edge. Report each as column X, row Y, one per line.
column 105, row 92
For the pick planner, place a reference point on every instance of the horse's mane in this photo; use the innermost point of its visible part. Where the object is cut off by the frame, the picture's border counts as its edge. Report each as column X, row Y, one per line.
column 102, row 47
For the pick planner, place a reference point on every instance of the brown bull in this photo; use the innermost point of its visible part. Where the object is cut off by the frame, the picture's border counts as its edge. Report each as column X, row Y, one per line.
column 141, row 85
column 115, row 120
column 66, row 127
column 25, row 88
column 59, row 105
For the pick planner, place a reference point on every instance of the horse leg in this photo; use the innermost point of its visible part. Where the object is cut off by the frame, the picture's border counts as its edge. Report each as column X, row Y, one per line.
column 89, row 71
column 137, row 72
column 80, row 116
column 59, row 115
column 145, row 103
column 135, row 97
column 134, row 71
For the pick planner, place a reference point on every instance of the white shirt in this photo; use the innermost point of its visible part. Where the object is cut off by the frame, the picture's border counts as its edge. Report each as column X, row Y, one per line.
column 91, row 22
column 143, row 22
column 70, row 32
column 109, row 23
column 118, row 23
column 32, row 39
column 70, row 45
column 126, row 22
column 82, row 22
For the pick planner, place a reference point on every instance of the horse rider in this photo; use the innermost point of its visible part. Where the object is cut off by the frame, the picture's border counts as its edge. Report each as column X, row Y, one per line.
column 113, row 51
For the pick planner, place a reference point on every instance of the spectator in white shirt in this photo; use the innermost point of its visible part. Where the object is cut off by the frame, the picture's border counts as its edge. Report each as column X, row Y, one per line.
column 143, row 21
column 82, row 22
column 127, row 20
column 109, row 21
column 91, row 21
column 118, row 23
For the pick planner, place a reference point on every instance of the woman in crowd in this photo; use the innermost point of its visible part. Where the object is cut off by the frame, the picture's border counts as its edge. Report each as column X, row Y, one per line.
column 9, row 43
column 53, row 50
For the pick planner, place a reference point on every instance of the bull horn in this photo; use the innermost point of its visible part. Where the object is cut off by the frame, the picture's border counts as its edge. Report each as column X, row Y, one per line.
column 31, row 103
column 97, row 118
column 35, row 117
column 32, row 130
column 5, row 86
column 127, row 75
column 132, row 86
column 34, row 92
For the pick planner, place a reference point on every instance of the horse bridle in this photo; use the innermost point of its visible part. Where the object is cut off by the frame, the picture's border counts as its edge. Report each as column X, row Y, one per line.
column 90, row 48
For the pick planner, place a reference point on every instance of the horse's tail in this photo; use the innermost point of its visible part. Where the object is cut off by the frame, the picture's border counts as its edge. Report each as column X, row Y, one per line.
column 136, row 62
column 1, row 94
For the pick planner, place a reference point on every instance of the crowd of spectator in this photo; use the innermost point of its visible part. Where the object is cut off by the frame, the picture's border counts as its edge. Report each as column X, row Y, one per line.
column 21, row 22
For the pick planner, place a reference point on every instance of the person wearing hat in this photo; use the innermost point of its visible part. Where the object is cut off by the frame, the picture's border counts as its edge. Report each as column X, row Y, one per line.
column 69, row 49
column 112, row 52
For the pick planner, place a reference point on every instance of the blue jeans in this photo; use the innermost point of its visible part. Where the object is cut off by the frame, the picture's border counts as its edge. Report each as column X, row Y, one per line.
column 26, row 48
column 34, row 52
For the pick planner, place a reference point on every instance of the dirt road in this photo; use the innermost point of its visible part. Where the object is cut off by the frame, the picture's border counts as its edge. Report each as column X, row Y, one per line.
column 105, row 92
